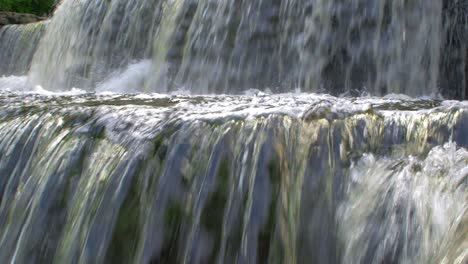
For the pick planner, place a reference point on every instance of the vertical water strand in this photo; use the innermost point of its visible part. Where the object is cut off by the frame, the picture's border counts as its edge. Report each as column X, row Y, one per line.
column 453, row 79
column 209, row 193
column 200, row 61
column 170, row 215
column 243, row 141
column 401, row 209
column 126, row 34
column 86, row 201
column 29, row 186
column 315, row 236
column 102, row 190
column 375, row 46
column 66, row 47
column 231, row 222
column 292, row 149
column 255, row 207
column 266, row 241
column 254, row 59
column 88, row 40
column 292, row 20
column 407, row 50
column 18, row 43
column 172, row 11
column 228, row 47
column 416, row 37
column 312, row 62
column 46, row 194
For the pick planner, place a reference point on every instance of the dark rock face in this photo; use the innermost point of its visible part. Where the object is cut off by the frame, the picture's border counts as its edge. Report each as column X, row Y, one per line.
column 8, row 18
column 453, row 77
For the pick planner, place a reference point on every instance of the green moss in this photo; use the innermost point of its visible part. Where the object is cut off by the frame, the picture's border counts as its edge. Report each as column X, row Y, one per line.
column 158, row 141
column 212, row 218
column 173, row 217
column 267, row 245
column 274, row 172
column 223, row 176
column 97, row 131
column 213, row 212
column 161, row 140
column 126, row 231
column 173, row 214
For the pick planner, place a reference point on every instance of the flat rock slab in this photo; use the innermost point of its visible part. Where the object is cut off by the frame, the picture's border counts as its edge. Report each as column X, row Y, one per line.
column 8, row 18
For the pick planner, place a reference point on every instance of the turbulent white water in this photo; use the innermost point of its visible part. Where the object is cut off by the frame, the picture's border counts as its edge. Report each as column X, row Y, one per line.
column 415, row 205
column 129, row 80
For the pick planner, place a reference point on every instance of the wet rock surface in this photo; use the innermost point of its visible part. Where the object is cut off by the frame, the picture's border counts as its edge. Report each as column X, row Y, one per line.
column 454, row 50
column 9, row 18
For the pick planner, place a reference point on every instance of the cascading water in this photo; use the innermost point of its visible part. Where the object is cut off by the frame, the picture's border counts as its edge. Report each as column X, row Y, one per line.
column 162, row 179
column 18, row 44
column 94, row 170
column 223, row 46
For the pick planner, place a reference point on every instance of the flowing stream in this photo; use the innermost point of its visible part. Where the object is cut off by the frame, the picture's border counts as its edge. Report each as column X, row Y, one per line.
column 185, row 131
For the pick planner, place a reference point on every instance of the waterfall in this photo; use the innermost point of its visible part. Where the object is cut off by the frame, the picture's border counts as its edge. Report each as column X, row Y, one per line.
column 161, row 179
column 18, row 44
column 246, row 131
column 207, row 46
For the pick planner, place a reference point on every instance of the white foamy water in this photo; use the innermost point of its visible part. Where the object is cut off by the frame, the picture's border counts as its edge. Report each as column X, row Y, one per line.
column 129, row 80
column 418, row 200
column 13, row 83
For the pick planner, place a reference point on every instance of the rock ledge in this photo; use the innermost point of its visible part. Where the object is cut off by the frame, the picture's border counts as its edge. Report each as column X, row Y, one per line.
column 8, row 18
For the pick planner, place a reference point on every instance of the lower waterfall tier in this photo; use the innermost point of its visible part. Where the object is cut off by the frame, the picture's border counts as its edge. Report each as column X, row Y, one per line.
column 292, row 178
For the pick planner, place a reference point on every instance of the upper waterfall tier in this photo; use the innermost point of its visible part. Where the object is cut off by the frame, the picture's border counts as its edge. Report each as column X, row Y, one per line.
column 18, row 44
column 223, row 46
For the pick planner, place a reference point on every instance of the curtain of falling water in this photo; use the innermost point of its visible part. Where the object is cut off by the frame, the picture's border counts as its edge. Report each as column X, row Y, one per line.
column 87, row 40
column 454, row 59
column 394, row 193
column 330, row 46
column 129, row 183
column 18, row 44
column 378, row 46
column 227, row 47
